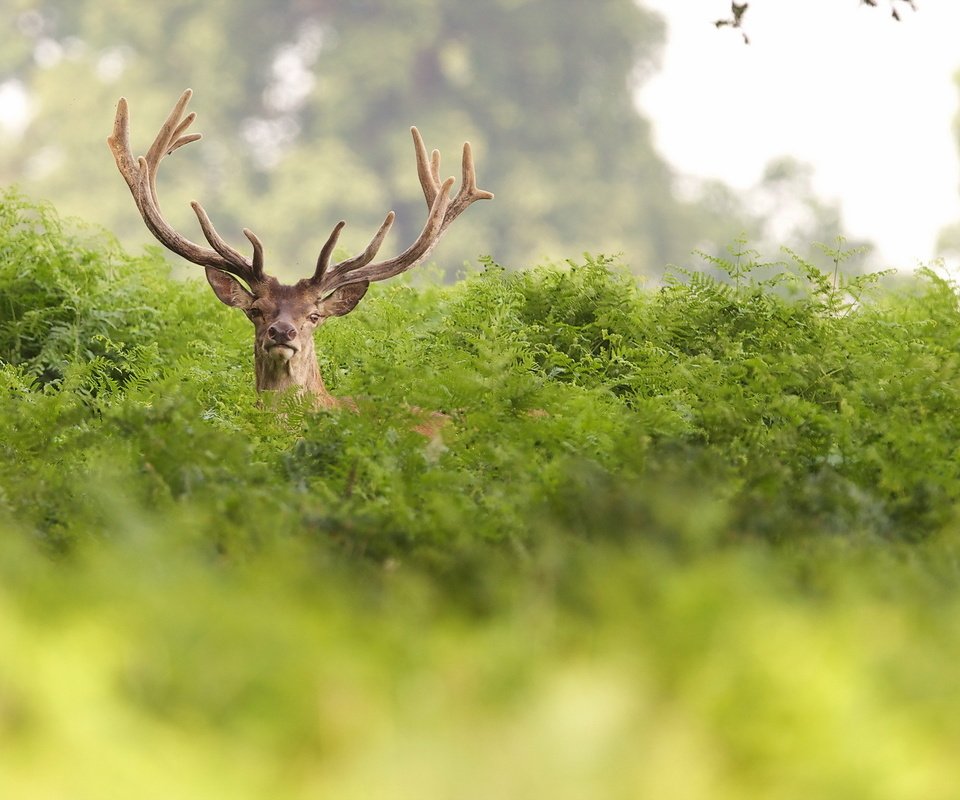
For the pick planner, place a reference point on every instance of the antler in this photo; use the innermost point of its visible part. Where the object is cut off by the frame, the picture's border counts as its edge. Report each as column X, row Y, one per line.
column 442, row 212
column 141, row 176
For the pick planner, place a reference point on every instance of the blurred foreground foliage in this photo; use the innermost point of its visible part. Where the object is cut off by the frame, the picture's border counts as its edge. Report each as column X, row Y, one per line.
column 699, row 541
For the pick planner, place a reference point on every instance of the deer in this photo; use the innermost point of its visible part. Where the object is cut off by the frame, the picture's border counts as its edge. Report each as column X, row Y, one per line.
column 285, row 316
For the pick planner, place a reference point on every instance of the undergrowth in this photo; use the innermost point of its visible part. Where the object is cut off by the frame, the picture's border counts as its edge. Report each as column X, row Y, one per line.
column 660, row 525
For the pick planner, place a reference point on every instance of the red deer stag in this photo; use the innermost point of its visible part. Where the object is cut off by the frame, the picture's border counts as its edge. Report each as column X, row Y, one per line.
column 284, row 317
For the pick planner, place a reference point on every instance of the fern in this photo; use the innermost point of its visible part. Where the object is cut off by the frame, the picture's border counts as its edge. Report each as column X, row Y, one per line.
column 750, row 473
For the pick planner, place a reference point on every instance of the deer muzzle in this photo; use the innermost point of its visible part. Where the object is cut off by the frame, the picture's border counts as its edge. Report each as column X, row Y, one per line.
column 281, row 338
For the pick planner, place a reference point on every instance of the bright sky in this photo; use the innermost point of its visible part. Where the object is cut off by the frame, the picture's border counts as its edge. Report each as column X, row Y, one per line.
column 869, row 102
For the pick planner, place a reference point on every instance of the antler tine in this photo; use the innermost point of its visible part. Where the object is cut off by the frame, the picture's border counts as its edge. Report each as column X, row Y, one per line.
column 468, row 188
column 173, row 125
column 372, row 249
column 119, row 144
column 140, row 175
column 443, row 211
column 324, row 276
column 168, row 139
column 359, row 268
column 238, row 264
column 428, row 169
column 177, row 136
column 326, row 251
column 257, row 265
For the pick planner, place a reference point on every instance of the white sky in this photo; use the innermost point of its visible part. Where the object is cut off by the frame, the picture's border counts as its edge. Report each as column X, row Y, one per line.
column 869, row 102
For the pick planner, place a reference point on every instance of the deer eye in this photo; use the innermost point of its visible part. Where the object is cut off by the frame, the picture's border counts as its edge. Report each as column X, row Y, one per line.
column 314, row 318
column 254, row 313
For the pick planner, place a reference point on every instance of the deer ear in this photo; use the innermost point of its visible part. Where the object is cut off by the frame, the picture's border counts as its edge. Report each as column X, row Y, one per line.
column 343, row 300
column 228, row 289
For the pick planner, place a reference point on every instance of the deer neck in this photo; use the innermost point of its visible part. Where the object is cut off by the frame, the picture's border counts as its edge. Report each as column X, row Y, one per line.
column 299, row 372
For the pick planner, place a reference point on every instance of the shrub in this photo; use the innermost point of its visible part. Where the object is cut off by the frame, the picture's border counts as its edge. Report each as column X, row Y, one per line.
column 711, row 523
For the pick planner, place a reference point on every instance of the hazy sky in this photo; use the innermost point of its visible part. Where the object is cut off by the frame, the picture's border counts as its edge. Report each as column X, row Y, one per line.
column 869, row 102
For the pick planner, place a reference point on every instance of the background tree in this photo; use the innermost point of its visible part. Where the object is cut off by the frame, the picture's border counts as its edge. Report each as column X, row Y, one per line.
column 948, row 243
column 306, row 105
column 738, row 12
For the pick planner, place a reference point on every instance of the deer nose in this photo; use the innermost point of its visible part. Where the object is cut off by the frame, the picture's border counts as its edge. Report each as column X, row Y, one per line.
column 282, row 332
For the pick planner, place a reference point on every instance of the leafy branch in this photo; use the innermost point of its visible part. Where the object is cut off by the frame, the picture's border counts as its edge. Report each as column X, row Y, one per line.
column 894, row 7
column 739, row 10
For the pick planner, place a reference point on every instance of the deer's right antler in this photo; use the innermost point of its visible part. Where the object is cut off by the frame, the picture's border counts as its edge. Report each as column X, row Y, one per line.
column 141, row 176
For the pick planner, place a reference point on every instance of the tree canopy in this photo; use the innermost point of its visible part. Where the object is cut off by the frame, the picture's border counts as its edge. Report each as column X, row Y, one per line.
column 738, row 13
column 306, row 104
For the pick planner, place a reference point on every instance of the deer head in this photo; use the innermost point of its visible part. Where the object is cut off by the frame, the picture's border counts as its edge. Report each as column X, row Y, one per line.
column 285, row 316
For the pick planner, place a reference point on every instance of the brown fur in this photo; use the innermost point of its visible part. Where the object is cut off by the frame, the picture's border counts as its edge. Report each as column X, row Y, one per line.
column 284, row 319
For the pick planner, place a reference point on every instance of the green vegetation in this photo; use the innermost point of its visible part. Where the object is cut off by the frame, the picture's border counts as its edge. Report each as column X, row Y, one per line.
column 697, row 541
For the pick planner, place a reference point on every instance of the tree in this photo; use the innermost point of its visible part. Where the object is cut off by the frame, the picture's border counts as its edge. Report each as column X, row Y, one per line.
column 948, row 242
column 738, row 13
column 306, row 105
